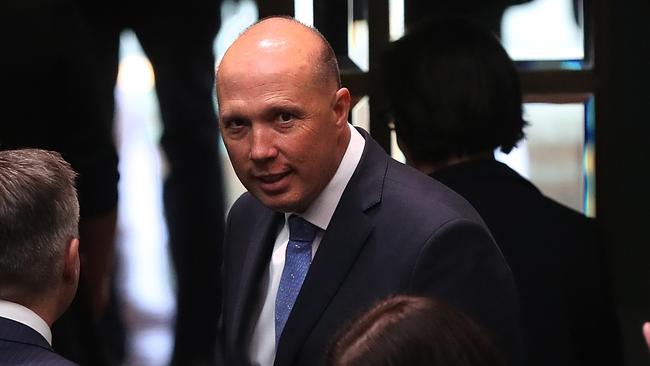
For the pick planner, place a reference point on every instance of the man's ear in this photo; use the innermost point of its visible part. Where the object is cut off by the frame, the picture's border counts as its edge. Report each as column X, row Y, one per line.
column 342, row 106
column 71, row 263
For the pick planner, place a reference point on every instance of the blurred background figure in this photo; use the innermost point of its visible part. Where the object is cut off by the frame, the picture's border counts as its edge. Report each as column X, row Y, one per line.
column 53, row 103
column 414, row 331
column 458, row 99
column 646, row 333
column 62, row 63
column 39, row 253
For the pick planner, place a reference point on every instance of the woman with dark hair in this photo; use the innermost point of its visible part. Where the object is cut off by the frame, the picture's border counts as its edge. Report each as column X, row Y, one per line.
column 412, row 331
column 455, row 93
column 456, row 97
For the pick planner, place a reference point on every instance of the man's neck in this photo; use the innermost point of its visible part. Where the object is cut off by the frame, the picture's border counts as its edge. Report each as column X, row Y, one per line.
column 28, row 316
column 43, row 304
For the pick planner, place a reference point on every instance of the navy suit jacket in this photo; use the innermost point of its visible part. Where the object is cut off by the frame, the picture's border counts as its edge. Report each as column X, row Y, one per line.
column 557, row 263
column 22, row 345
column 394, row 230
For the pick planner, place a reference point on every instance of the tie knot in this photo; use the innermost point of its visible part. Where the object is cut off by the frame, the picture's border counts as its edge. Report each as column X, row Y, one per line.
column 301, row 229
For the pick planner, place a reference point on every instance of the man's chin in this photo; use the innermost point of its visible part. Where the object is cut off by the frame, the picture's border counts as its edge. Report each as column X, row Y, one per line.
column 281, row 202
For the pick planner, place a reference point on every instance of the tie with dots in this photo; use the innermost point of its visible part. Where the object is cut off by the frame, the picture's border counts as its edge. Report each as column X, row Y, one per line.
column 296, row 265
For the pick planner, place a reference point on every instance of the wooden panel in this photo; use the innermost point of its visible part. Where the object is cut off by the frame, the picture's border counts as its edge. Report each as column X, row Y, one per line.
column 557, row 98
column 558, row 81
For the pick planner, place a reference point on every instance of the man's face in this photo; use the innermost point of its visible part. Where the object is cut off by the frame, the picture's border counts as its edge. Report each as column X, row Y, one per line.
column 283, row 129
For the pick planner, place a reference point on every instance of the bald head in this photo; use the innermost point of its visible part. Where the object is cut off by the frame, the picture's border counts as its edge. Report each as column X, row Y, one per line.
column 282, row 44
column 282, row 113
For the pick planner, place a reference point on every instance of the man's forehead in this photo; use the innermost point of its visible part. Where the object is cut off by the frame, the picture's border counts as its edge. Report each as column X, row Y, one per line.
column 241, row 82
column 253, row 71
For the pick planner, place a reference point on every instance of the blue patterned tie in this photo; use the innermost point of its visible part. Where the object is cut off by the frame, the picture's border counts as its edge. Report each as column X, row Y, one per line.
column 296, row 265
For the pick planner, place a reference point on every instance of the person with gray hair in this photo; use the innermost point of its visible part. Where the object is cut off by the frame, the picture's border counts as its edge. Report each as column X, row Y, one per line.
column 39, row 253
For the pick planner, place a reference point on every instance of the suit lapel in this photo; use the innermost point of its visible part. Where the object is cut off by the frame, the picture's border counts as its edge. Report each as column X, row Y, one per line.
column 346, row 235
column 256, row 260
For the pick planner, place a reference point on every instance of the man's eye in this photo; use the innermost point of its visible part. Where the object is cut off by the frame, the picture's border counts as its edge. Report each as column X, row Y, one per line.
column 285, row 117
column 234, row 123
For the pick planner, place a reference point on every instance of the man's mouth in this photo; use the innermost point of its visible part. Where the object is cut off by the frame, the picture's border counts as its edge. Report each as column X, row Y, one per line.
column 273, row 183
column 271, row 178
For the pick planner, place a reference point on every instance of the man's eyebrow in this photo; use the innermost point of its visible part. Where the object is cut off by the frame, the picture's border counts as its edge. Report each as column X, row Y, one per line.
column 284, row 108
column 230, row 115
column 292, row 109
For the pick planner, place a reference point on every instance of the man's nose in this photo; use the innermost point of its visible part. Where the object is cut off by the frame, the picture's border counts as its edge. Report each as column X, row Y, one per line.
column 262, row 144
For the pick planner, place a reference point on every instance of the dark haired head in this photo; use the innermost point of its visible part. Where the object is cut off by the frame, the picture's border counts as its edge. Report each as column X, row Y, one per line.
column 454, row 91
column 413, row 331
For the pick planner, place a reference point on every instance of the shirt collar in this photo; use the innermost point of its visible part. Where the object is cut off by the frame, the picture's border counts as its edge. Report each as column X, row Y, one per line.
column 21, row 314
column 320, row 211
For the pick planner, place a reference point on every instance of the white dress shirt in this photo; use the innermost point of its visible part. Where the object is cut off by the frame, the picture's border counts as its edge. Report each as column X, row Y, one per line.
column 319, row 213
column 21, row 314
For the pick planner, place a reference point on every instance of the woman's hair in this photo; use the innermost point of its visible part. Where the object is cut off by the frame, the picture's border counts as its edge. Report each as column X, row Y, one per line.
column 412, row 331
column 453, row 90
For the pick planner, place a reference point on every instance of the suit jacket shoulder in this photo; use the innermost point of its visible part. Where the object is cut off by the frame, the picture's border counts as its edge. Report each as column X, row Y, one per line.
column 557, row 261
column 396, row 230
column 22, row 345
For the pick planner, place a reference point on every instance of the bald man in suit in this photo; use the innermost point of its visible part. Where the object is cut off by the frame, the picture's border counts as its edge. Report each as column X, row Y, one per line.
column 330, row 223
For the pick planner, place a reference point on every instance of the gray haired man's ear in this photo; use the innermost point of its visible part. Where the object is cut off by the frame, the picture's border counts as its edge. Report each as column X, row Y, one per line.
column 71, row 266
column 71, row 262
